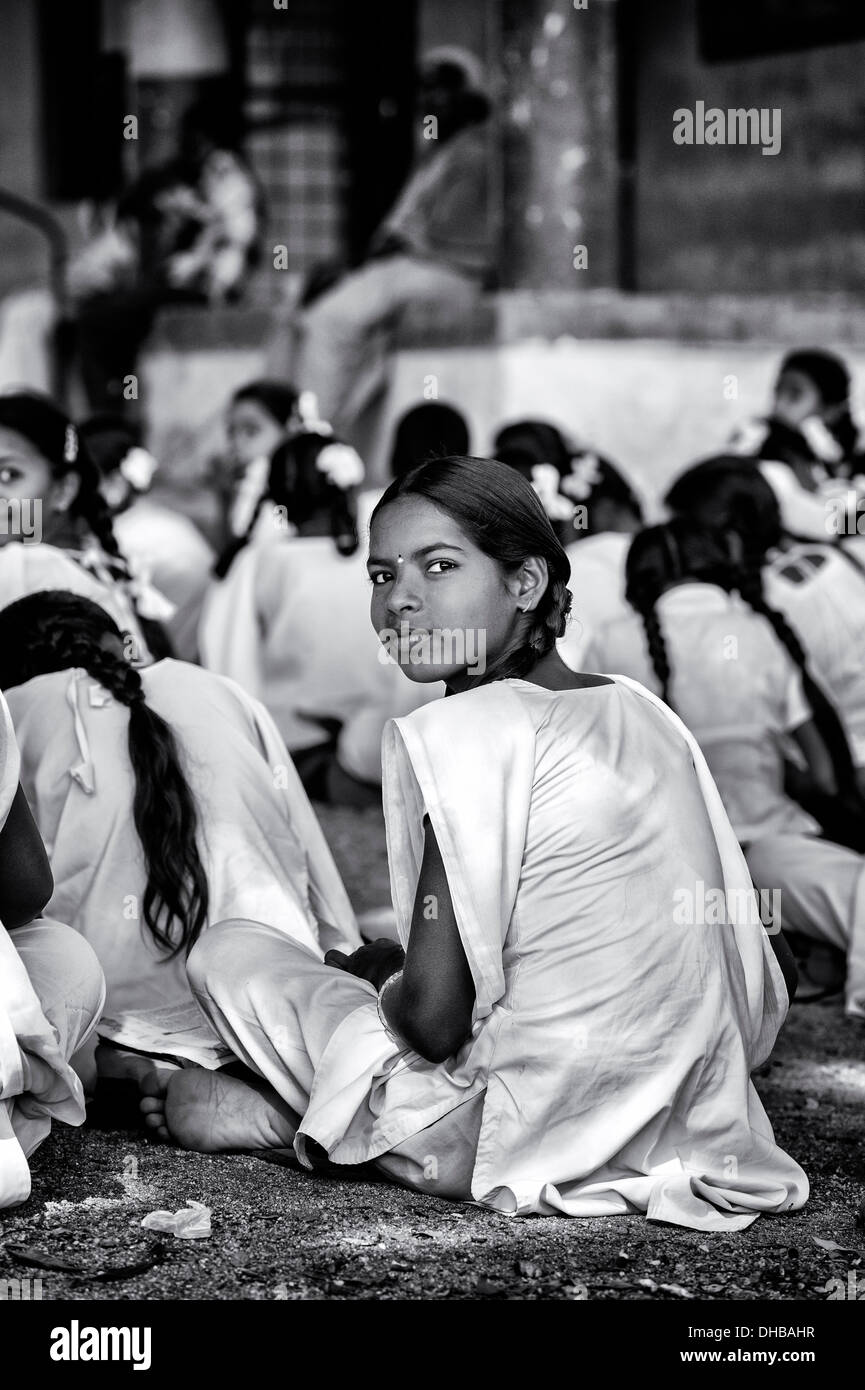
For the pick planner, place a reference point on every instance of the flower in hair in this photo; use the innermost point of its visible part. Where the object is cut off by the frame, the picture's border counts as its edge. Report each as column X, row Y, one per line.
column 584, row 476
column 138, row 467
column 545, row 481
column 341, row 465
column 308, row 419
column 70, row 444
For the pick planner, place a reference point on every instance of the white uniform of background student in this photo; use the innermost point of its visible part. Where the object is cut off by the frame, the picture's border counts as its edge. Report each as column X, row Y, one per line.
column 51, row 996
column 822, row 594
column 740, row 694
column 263, row 851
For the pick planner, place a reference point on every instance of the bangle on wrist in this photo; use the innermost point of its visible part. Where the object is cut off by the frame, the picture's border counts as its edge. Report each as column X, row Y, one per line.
column 389, row 982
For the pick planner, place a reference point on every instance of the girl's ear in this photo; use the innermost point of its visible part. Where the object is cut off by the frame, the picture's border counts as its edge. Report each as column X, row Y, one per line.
column 64, row 492
column 530, row 583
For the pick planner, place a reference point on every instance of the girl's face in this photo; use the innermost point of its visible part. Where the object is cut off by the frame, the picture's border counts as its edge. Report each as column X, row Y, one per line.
column 796, row 399
column 26, row 478
column 442, row 608
column 252, row 433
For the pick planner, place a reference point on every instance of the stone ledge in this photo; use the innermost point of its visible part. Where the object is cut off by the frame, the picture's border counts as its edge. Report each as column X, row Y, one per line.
column 513, row 316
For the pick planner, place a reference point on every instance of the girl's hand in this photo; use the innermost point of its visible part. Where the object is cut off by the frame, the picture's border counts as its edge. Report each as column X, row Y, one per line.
column 375, row 962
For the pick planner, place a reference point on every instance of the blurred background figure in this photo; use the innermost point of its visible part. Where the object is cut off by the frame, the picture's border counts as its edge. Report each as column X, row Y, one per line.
column 808, row 447
column 289, row 620
column 435, row 245
column 256, row 421
column 183, row 231
column 594, row 511
column 164, row 548
column 429, row 430
column 73, row 545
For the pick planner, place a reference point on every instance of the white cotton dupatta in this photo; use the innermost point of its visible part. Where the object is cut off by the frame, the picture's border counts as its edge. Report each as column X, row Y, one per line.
column 24, row 1030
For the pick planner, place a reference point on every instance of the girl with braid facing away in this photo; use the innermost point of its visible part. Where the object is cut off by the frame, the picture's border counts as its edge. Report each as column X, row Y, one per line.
column 51, row 504
column 522, row 1047
column 704, row 636
column 818, row 586
column 820, row 590
column 165, row 798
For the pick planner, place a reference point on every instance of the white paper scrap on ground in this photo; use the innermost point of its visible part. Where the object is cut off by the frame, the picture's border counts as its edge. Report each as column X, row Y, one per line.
column 192, row 1222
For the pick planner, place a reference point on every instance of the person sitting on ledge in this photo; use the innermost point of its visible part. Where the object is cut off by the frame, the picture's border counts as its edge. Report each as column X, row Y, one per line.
column 436, row 245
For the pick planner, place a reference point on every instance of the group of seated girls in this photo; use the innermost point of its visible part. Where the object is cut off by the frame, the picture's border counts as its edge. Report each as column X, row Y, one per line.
column 518, row 1041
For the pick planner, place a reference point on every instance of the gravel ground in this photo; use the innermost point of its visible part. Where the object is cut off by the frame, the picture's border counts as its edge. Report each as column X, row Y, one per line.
column 281, row 1234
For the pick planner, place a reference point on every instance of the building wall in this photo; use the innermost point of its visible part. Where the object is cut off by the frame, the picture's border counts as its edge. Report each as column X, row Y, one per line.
column 716, row 218
column 23, row 256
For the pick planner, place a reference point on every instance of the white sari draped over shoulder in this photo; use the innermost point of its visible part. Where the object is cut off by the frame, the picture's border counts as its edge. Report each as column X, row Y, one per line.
column 614, row 1031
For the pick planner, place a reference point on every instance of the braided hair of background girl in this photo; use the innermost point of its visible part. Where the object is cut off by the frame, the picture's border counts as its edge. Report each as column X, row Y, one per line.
column 502, row 515
column 53, row 434
column 312, row 475
column 57, row 631
column 730, row 494
column 682, row 549
column 572, row 482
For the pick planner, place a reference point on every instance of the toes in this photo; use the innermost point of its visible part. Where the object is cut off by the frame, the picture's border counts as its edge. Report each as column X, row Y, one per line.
column 149, row 1105
column 153, row 1083
column 155, row 1120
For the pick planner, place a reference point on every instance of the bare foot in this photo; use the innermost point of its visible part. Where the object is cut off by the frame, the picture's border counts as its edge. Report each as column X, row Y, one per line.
column 212, row 1112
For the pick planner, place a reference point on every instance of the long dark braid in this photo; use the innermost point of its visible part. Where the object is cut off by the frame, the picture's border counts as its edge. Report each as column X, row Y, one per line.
column 657, row 650
column 56, row 631
column 90, row 505
column 749, row 582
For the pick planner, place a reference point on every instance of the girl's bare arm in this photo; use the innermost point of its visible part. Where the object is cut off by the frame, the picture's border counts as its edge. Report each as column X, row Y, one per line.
column 26, row 881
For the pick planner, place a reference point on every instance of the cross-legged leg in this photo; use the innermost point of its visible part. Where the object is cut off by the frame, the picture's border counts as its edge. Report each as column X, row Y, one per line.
column 276, row 1005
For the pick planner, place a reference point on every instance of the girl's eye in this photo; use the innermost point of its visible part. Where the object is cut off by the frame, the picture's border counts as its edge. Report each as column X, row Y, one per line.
column 8, row 474
column 380, row 578
column 448, row 564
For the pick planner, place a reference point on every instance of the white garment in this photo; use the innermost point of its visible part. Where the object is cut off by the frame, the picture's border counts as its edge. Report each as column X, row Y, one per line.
column 167, row 550
column 597, row 584
column 803, row 512
column 822, row 895
column 734, row 686
column 263, row 851
column 612, row 1041
column 822, row 595
column 290, row 622
column 51, row 994
column 27, row 569
column 247, row 495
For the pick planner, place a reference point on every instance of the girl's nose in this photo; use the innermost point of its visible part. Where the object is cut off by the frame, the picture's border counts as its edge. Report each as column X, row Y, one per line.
column 403, row 597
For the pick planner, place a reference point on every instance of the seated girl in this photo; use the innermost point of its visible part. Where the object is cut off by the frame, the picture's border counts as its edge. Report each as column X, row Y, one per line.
column 594, row 512
column 162, row 544
column 819, row 587
column 562, row 1033
column 808, row 447
column 166, row 799
column 288, row 620
column 51, row 990
column 705, row 637
column 256, row 423
column 71, row 545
